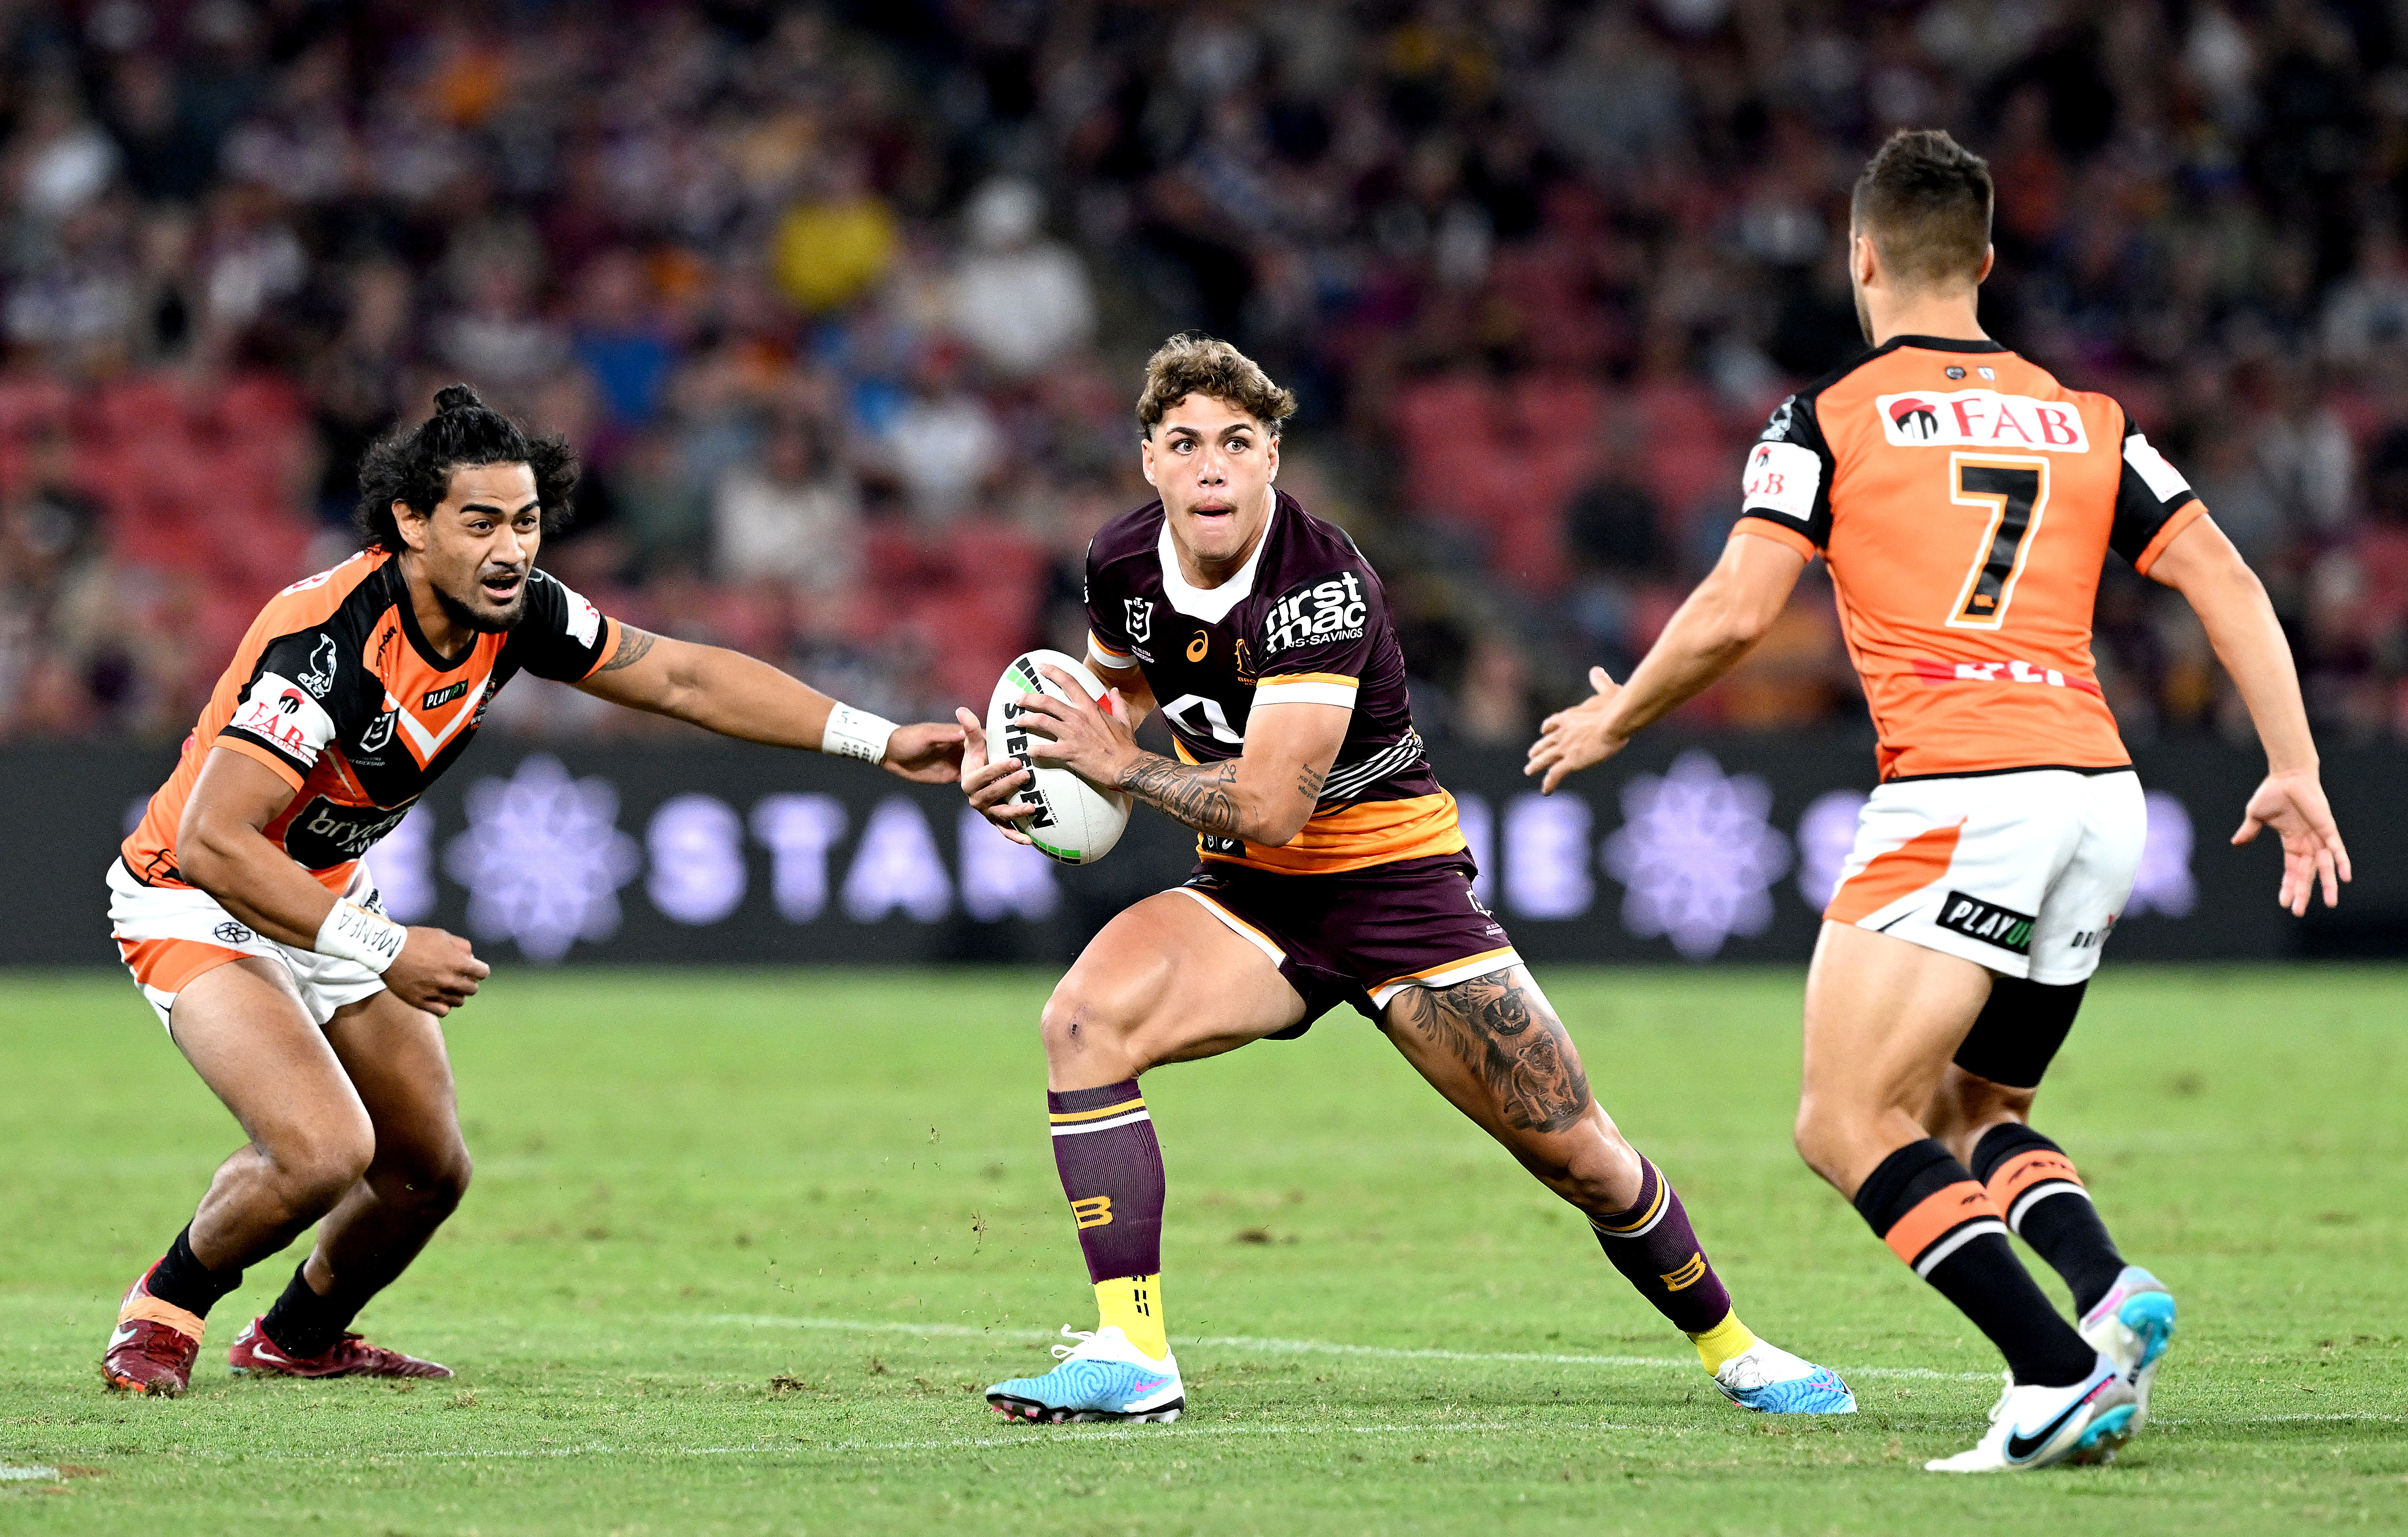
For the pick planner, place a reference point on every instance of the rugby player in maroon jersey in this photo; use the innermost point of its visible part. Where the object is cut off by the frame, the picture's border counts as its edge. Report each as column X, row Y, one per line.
column 243, row 908
column 1331, row 871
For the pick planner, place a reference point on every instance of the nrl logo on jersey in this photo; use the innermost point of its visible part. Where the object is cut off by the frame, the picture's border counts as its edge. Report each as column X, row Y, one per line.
column 1140, row 617
column 1981, row 419
column 1316, row 613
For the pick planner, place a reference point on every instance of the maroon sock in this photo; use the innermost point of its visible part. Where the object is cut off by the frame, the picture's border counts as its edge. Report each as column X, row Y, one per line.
column 1655, row 1248
column 1111, row 1171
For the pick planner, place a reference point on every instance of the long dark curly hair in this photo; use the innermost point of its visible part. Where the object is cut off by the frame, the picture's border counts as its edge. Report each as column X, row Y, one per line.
column 414, row 465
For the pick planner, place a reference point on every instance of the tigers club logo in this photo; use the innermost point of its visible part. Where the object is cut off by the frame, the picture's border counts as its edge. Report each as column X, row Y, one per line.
column 1915, row 419
column 320, row 678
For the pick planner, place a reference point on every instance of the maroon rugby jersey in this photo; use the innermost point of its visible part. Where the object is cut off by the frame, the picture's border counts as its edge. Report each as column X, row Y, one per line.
column 1305, row 621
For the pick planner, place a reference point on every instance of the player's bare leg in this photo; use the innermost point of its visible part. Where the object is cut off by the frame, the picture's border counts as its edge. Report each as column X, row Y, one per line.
column 1494, row 1048
column 243, row 1029
column 311, row 1139
column 1165, row 981
column 2122, row 1310
column 1883, row 1018
column 394, row 1060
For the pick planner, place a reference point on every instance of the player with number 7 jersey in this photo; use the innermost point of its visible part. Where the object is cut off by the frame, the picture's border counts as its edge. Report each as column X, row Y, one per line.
column 1966, row 502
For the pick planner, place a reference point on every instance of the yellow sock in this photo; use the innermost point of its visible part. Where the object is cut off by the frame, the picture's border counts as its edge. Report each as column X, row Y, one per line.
column 1724, row 1340
column 1134, row 1303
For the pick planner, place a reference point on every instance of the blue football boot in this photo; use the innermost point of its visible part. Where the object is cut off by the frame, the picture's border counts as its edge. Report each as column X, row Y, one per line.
column 1102, row 1377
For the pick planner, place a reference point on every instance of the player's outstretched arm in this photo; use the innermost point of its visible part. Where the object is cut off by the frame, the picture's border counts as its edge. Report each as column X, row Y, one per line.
column 1719, row 624
column 2200, row 564
column 1264, row 796
column 220, row 848
column 741, row 697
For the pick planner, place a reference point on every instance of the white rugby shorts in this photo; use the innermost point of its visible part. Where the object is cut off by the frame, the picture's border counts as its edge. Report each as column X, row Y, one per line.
column 2023, row 872
column 170, row 935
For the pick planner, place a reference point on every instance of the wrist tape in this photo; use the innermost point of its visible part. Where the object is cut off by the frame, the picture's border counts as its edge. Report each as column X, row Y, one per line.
column 353, row 933
column 856, row 734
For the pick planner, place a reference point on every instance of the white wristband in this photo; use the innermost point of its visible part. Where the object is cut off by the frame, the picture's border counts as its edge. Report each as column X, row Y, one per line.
column 856, row 734
column 353, row 933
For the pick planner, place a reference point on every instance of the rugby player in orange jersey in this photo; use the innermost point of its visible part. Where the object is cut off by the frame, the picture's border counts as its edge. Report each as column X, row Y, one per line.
column 244, row 910
column 1331, row 871
column 1965, row 501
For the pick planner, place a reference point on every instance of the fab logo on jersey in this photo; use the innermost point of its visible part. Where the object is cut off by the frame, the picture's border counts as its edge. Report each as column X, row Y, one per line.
column 1984, row 417
column 1314, row 613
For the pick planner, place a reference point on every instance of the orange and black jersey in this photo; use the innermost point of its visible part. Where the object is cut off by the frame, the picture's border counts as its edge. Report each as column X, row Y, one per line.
column 1966, row 502
column 1305, row 621
column 336, row 688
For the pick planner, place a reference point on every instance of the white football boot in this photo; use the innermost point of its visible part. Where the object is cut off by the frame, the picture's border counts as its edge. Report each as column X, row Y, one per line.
column 2036, row 1426
column 1765, row 1378
column 1102, row 1377
column 2131, row 1326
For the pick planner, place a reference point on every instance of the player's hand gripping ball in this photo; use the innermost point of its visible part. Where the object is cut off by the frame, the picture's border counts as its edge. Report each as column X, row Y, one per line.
column 1076, row 822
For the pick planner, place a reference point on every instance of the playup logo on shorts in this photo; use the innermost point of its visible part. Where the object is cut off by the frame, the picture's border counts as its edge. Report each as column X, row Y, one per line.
column 1988, row 921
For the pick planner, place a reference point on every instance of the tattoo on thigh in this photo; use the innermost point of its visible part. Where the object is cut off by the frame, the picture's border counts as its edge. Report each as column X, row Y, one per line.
column 1516, row 1046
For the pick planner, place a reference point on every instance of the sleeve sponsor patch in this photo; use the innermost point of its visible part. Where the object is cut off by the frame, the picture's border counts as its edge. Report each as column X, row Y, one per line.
column 582, row 620
column 1781, row 478
column 277, row 711
column 1327, row 610
column 2164, row 480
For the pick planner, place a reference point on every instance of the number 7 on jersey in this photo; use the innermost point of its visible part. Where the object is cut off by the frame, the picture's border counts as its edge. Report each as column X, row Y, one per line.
column 2014, row 491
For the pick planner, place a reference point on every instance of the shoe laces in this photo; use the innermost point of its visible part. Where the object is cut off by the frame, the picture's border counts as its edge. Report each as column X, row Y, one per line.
column 1064, row 1352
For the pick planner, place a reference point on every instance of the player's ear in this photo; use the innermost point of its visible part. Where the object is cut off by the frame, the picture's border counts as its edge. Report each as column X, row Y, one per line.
column 1989, row 260
column 1863, row 257
column 1145, row 457
column 412, row 525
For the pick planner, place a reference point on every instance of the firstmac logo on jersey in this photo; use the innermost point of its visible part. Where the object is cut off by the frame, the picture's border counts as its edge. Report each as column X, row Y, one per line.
column 1983, row 419
column 1317, row 613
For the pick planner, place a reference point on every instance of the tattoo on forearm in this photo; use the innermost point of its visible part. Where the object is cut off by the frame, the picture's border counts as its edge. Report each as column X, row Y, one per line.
column 1512, row 1042
column 1309, row 781
column 632, row 643
column 1198, row 795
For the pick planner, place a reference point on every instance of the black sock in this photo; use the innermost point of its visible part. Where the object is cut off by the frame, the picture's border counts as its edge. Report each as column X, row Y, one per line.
column 304, row 1324
column 183, row 1281
column 1933, row 1214
column 2031, row 1180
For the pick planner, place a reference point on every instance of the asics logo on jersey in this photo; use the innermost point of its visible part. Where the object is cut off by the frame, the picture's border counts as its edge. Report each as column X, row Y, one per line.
column 1984, row 417
column 1988, row 921
column 1316, row 613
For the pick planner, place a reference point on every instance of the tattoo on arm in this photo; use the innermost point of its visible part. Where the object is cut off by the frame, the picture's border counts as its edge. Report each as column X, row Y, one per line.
column 1309, row 781
column 1512, row 1043
column 1198, row 795
column 632, row 643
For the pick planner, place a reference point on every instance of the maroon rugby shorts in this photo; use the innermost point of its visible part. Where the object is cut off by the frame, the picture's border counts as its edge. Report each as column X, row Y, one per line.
column 1363, row 936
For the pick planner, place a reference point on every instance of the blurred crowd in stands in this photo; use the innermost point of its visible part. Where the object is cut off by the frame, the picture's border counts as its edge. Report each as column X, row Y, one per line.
column 844, row 307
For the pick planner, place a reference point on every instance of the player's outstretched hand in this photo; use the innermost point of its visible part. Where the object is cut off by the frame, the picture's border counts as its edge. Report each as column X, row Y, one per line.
column 990, row 785
column 1091, row 739
column 929, row 753
column 434, row 972
column 2293, row 804
column 1572, row 740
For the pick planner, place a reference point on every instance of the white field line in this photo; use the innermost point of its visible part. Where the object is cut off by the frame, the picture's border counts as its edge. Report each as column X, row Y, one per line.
column 1243, row 1343
column 37, row 1475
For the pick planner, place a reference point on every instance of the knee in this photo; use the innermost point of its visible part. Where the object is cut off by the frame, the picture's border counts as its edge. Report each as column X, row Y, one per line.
column 1075, row 1024
column 431, row 1185
column 313, row 1170
column 1821, row 1135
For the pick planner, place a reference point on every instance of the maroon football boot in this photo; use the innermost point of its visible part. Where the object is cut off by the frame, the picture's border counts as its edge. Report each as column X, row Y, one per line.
column 154, row 1346
column 349, row 1357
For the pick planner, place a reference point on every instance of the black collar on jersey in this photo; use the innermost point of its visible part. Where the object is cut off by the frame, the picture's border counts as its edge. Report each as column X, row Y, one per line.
column 418, row 642
column 1939, row 344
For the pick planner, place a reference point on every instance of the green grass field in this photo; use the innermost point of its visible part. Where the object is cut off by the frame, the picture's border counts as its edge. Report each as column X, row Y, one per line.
column 743, row 1248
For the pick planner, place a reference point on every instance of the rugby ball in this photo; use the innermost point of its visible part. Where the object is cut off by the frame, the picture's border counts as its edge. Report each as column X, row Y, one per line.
column 1076, row 822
